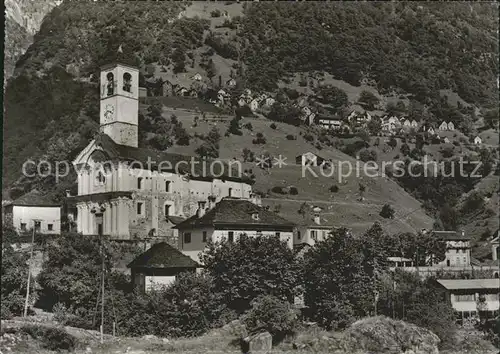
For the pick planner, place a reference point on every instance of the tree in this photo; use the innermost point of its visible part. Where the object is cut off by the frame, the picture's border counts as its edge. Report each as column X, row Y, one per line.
column 387, row 212
column 211, row 69
column 337, row 281
column 406, row 296
column 14, row 275
column 405, row 149
column 369, row 99
column 333, row 96
column 249, row 267
column 366, row 155
column 423, row 248
column 374, row 126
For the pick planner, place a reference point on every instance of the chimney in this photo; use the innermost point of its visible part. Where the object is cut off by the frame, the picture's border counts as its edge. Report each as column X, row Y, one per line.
column 68, row 193
column 317, row 219
column 201, row 209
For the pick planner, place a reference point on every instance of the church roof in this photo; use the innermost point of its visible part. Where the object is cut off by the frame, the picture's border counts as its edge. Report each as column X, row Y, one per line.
column 232, row 211
column 451, row 236
column 196, row 168
column 163, row 255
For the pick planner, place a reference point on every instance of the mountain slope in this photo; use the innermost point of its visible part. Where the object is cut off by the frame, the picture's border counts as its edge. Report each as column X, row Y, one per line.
column 23, row 19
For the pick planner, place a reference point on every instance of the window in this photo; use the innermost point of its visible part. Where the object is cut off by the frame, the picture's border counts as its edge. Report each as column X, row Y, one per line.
column 140, row 208
column 230, row 236
column 313, row 235
column 277, row 234
column 187, row 237
column 127, row 82
column 299, row 235
column 323, row 235
column 100, row 178
column 167, row 186
column 110, row 85
column 139, row 182
column 230, row 192
column 464, row 298
column 167, row 210
column 38, row 225
column 50, row 227
column 23, row 226
column 204, row 236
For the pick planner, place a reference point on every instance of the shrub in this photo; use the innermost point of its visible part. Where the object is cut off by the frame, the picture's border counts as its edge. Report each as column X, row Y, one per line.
column 248, row 155
column 52, row 338
column 273, row 315
column 366, row 155
column 248, row 126
column 392, row 142
column 260, row 140
column 334, row 189
column 308, row 137
column 234, row 126
column 273, row 126
column 215, row 13
column 294, row 191
column 387, row 212
column 278, row 190
column 291, row 137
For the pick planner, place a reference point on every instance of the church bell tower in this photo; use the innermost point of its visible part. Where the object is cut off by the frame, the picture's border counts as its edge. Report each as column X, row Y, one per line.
column 120, row 103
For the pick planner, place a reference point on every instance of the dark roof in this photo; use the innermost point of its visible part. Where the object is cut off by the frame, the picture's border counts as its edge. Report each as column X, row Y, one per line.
column 35, row 198
column 175, row 219
column 451, row 235
column 197, row 169
column 233, row 211
column 162, row 255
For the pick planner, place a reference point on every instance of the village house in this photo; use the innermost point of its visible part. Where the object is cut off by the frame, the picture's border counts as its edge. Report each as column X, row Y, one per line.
column 33, row 211
column 478, row 140
column 458, row 249
column 451, row 126
column 309, row 159
column 329, row 122
column 127, row 192
column 254, row 105
column 407, row 123
column 399, row 262
column 469, row 296
column 231, row 82
column 414, row 124
column 196, row 77
column 312, row 228
column 226, row 221
column 443, row 126
column 431, row 131
column 159, row 266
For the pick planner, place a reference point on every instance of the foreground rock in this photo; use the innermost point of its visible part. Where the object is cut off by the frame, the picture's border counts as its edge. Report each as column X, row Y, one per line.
column 384, row 335
column 260, row 343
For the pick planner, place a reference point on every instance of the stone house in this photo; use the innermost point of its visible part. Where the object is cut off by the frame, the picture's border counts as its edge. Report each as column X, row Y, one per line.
column 309, row 159
column 458, row 248
column 226, row 221
column 33, row 211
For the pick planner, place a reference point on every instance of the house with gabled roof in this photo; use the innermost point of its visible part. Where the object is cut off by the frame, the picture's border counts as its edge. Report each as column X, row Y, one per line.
column 226, row 221
column 197, row 77
column 34, row 210
column 414, row 124
column 159, row 266
column 312, row 227
column 443, row 126
column 478, row 140
column 458, row 248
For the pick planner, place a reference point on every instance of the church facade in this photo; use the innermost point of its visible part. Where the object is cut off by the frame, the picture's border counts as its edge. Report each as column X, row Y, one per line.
column 127, row 192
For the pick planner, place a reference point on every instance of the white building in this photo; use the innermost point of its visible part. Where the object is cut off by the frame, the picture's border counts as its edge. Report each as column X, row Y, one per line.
column 128, row 192
column 469, row 296
column 34, row 211
column 458, row 249
column 312, row 228
column 227, row 221
column 478, row 140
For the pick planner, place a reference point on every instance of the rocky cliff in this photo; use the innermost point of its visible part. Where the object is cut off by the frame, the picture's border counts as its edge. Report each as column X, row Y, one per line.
column 23, row 19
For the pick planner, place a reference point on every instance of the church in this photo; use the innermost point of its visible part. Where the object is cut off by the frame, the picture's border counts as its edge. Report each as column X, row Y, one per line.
column 126, row 192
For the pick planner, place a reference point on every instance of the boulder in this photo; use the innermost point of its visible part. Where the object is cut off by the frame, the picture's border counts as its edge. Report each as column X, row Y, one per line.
column 236, row 328
column 260, row 343
column 384, row 335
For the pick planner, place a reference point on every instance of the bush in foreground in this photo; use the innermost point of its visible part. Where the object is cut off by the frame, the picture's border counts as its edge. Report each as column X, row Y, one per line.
column 51, row 338
column 273, row 315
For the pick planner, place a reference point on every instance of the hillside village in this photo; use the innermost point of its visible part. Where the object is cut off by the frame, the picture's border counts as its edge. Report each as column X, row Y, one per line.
column 196, row 202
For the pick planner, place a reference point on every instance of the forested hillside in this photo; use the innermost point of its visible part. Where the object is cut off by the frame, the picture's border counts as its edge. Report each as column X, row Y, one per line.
column 51, row 103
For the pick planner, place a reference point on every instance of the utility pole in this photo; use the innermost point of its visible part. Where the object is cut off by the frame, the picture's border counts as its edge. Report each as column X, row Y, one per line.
column 26, row 301
column 102, row 285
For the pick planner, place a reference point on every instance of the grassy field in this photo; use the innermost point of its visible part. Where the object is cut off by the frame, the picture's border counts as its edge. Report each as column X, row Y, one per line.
column 343, row 207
